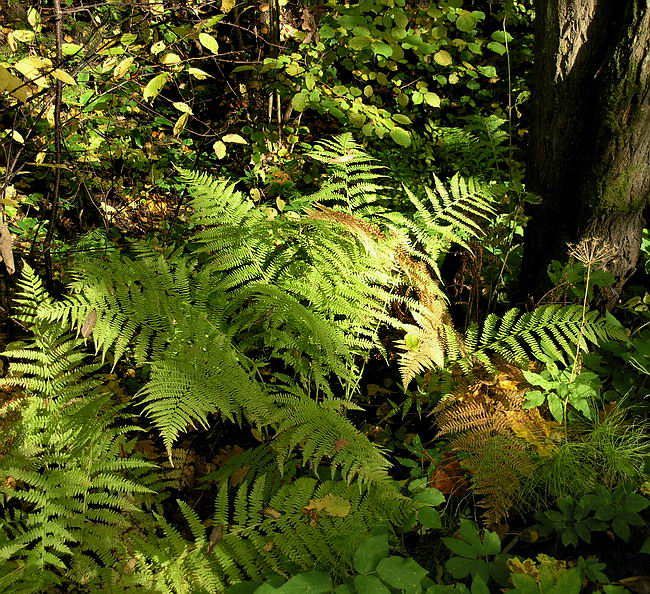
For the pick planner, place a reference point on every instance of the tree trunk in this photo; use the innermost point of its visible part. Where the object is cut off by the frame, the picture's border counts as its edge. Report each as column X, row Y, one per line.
column 589, row 157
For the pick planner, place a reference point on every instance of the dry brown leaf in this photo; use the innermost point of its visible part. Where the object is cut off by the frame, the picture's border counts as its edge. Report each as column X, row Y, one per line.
column 89, row 324
column 7, row 249
column 215, row 537
column 239, row 475
column 272, row 512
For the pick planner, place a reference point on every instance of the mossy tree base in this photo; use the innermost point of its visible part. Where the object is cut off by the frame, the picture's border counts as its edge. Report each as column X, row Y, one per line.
column 589, row 156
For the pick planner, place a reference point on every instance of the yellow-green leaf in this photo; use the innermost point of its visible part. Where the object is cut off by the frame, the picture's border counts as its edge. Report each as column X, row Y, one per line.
column 234, row 138
column 219, row 149
column 432, row 99
column 157, row 47
column 442, row 57
column 334, row 506
column 122, row 68
column 34, row 18
column 198, row 73
column 70, row 49
column 209, row 42
column 63, row 76
column 184, row 107
column 23, row 35
column 154, row 86
column 12, row 84
column 401, row 136
column 17, row 136
column 170, row 58
column 179, row 126
column 227, row 5
column 30, row 68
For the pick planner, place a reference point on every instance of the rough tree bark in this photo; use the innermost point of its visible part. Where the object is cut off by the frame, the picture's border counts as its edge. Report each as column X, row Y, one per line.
column 589, row 157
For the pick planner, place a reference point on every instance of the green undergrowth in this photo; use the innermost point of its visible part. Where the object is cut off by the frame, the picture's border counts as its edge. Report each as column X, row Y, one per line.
column 260, row 323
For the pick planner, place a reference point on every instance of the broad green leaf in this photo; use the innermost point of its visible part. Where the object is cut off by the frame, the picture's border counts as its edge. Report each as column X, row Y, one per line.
column 63, row 76
column 470, row 534
column 442, row 57
column 234, row 139
column 219, row 149
column 70, row 49
column 466, row 22
column 198, row 73
column 497, row 48
column 491, row 543
column 460, row 547
column 460, row 567
column 401, row 119
column 479, row 586
column 357, row 119
column 401, row 136
column 400, row 572
column 369, row 584
column 310, row 582
column 400, row 19
column 154, row 86
column 489, row 71
column 359, row 43
column 524, row 583
column 432, row 99
column 370, row 552
column 299, row 101
column 430, row 496
column 381, row 49
column 209, row 42
column 555, row 406
column 127, row 39
column 501, row 37
column 570, row 582
column 430, row 518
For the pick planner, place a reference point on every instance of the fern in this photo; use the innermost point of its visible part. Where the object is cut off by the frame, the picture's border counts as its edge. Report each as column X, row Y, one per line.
column 65, row 483
column 308, row 522
column 352, row 181
column 549, row 332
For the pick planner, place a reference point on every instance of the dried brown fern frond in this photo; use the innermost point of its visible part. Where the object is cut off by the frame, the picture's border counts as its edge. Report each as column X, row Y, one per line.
column 498, row 465
column 350, row 221
column 486, row 421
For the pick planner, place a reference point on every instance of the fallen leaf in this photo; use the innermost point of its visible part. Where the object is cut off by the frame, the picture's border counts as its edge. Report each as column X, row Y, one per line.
column 334, row 506
column 6, row 248
column 215, row 537
column 272, row 512
column 239, row 475
column 89, row 324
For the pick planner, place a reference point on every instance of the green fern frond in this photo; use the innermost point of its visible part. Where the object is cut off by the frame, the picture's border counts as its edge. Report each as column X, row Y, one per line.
column 324, row 435
column 549, row 332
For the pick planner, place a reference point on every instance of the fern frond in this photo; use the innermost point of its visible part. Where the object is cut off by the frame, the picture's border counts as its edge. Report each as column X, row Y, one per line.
column 549, row 332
